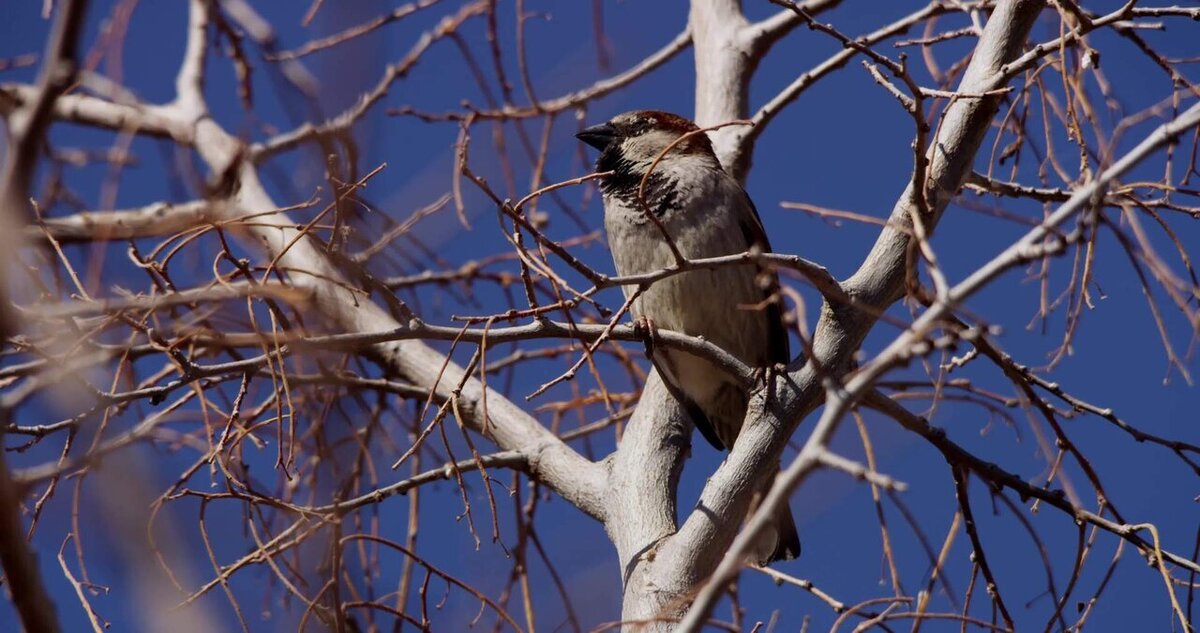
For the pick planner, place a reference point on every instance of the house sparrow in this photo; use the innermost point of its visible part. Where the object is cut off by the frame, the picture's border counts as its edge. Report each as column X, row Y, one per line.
column 706, row 213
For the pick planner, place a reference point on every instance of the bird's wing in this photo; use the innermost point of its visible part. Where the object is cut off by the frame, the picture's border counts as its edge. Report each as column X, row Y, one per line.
column 777, row 336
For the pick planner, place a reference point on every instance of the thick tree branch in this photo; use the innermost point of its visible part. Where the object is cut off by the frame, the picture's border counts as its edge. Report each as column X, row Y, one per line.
column 153, row 220
column 152, row 120
column 724, row 67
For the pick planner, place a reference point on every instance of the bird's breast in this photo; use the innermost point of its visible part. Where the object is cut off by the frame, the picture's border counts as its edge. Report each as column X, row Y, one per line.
column 719, row 304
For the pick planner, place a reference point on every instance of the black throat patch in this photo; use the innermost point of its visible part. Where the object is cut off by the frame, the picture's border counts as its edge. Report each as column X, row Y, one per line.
column 660, row 194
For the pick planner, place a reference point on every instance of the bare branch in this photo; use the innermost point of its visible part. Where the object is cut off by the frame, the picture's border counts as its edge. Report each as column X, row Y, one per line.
column 153, row 220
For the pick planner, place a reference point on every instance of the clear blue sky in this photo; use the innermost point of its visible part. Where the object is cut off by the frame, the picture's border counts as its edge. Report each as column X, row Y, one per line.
column 845, row 145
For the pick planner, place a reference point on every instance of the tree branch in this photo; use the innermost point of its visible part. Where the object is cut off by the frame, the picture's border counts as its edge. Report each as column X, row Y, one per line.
column 137, row 118
column 153, row 220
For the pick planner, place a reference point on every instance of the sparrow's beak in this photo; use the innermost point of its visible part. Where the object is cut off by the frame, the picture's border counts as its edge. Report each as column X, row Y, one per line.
column 598, row 136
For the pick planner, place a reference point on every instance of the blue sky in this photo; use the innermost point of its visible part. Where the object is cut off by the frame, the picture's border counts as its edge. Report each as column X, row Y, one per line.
column 844, row 144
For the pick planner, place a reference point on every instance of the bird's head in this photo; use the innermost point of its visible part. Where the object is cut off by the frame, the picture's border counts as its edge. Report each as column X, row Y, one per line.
column 633, row 140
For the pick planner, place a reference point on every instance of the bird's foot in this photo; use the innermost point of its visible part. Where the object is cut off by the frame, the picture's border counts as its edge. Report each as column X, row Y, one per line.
column 762, row 375
column 644, row 327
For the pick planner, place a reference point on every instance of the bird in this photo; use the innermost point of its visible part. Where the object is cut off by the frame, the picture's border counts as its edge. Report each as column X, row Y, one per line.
column 704, row 212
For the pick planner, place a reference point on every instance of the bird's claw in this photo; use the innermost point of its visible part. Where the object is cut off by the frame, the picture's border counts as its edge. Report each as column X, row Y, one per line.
column 644, row 327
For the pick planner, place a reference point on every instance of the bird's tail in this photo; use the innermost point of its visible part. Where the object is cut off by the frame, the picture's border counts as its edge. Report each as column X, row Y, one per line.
column 782, row 541
column 787, row 544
